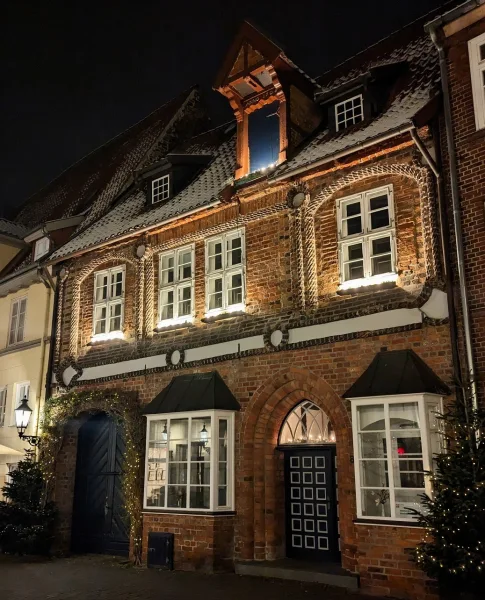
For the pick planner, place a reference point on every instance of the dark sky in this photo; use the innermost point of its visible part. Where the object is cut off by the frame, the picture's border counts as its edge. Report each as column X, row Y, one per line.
column 75, row 73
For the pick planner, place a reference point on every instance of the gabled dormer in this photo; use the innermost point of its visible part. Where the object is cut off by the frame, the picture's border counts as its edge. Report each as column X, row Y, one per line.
column 165, row 179
column 271, row 98
column 360, row 98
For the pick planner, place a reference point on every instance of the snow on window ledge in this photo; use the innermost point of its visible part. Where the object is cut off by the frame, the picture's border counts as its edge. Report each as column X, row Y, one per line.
column 106, row 337
column 353, row 284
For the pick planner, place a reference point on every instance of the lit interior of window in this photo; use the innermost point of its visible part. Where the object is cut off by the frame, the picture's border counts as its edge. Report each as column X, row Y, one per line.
column 307, row 424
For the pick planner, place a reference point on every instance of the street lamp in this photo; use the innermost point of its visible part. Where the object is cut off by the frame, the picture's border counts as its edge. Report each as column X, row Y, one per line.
column 23, row 412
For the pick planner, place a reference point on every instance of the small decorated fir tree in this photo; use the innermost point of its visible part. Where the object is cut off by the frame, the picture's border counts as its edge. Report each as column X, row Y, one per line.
column 454, row 552
column 26, row 521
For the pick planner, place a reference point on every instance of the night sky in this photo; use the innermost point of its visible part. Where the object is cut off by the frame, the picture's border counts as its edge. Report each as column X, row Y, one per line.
column 76, row 73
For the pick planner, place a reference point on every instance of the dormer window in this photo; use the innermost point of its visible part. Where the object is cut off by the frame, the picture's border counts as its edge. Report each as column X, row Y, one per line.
column 349, row 112
column 41, row 248
column 160, row 189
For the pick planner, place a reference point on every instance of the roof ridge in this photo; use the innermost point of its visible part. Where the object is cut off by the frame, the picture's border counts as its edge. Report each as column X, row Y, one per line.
column 438, row 10
column 186, row 92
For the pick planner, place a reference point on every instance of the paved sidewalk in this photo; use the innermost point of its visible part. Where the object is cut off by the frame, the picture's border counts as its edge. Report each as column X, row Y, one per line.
column 105, row 578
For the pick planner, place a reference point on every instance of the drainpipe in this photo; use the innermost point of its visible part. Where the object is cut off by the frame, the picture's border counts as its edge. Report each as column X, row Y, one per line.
column 48, row 376
column 455, row 200
column 42, row 358
column 445, row 242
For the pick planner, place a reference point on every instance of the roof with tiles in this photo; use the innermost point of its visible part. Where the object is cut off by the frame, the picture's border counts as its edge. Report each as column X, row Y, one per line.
column 98, row 178
column 14, row 230
column 418, row 87
column 130, row 215
column 409, row 45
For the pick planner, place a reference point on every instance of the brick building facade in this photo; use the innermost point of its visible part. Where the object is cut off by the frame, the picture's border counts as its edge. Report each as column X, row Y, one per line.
column 272, row 295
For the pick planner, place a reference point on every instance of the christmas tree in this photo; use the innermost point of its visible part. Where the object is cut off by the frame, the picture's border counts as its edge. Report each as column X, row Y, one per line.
column 454, row 549
column 26, row 520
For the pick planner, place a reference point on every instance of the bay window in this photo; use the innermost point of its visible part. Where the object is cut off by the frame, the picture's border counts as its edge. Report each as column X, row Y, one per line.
column 176, row 299
column 394, row 442
column 189, row 461
column 108, row 309
column 366, row 233
column 225, row 285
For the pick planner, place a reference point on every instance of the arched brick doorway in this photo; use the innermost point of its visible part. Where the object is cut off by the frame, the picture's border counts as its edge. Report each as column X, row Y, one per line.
column 260, row 527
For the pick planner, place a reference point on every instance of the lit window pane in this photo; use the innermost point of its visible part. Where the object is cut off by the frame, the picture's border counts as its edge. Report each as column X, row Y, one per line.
column 235, row 289
column 168, row 272
column 185, row 302
column 185, row 265
column 371, row 418
column 166, row 304
column 116, row 284
column 405, row 500
column 373, row 473
column 215, row 293
column 215, row 255
column 376, row 503
column 101, row 288
column 373, row 445
column 115, row 317
column 179, row 429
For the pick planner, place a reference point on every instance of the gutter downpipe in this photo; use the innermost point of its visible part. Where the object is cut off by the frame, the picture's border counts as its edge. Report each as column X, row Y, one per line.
column 455, row 200
column 445, row 244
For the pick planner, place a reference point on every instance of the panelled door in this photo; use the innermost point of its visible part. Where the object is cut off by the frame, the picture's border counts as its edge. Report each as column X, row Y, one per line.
column 100, row 523
column 311, row 504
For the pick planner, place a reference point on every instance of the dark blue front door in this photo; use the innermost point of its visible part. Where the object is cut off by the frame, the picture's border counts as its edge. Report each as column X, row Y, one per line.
column 100, row 522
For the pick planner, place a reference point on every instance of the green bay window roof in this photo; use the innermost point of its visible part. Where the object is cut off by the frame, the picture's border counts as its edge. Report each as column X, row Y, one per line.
column 194, row 392
column 396, row 372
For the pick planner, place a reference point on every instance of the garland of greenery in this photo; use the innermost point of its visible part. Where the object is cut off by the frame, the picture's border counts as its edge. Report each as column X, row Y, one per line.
column 124, row 409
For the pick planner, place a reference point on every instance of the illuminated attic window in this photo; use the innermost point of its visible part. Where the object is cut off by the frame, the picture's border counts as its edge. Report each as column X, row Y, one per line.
column 349, row 112
column 264, row 137
column 160, row 189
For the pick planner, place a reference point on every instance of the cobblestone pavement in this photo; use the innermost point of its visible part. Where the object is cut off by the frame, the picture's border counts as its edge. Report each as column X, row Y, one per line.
column 105, row 578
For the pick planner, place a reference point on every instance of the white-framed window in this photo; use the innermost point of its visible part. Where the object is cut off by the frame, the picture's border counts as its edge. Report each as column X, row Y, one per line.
column 176, row 286
column 109, row 303
column 349, row 112
column 366, row 233
column 17, row 320
column 224, row 267
column 160, row 189
column 3, row 405
column 190, row 461
column 395, row 438
column 476, row 53
column 22, row 390
column 41, row 247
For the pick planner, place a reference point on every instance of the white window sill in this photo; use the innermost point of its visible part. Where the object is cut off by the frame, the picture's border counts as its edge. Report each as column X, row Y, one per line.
column 388, row 522
column 218, row 312
column 107, row 337
column 353, row 284
column 170, row 323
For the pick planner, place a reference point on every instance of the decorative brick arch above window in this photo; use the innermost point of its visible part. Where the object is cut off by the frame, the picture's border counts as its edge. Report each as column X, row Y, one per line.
column 81, row 277
column 421, row 175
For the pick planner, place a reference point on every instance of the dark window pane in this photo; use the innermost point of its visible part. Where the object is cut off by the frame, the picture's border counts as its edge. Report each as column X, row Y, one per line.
column 222, row 496
column 381, row 246
column 379, row 219
column 356, row 270
column 264, row 136
column 378, row 202
column 352, row 209
column 354, row 225
column 355, row 252
column 177, row 473
column 199, row 497
column 177, row 496
column 200, row 473
column 482, row 52
column 381, row 265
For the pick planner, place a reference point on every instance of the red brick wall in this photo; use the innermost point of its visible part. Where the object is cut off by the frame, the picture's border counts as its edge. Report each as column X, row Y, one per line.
column 470, row 150
column 201, row 542
column 268, row 386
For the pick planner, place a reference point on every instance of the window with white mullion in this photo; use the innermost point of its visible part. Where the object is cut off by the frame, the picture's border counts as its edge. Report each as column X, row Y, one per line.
column 108, row 310
column 17, row 321
column 187, row 461
column 366, row 237
column 349, row 112
column 176, row 299
column 160, row 189
column 225, row 287
column 392, row 442
column 476, row 52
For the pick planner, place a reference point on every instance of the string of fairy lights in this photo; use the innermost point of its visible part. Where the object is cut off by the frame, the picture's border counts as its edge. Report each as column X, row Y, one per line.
column 58, row 410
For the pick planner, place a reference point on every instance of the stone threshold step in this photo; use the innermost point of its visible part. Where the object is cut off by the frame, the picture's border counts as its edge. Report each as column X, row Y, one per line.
column 329, row 573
